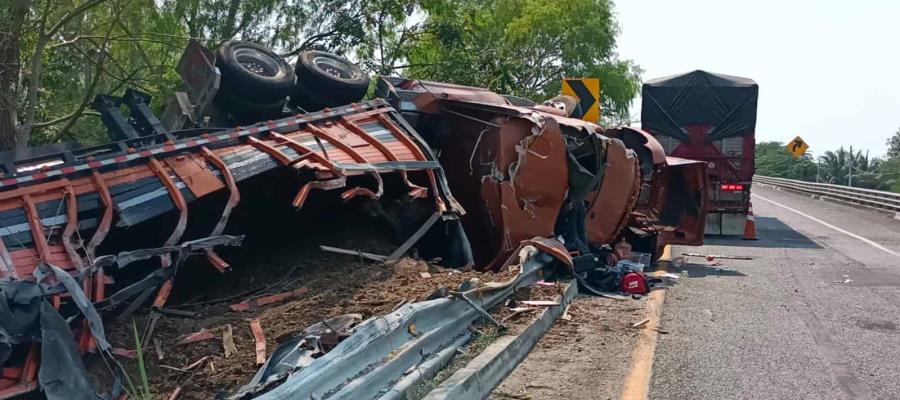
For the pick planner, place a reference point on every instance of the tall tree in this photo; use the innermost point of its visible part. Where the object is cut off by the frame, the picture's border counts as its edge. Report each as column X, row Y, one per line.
column 893, row 144
column 524, row 47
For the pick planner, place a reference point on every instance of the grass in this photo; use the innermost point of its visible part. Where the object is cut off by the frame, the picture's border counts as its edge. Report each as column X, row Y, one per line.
column 142, row 390
column 484, row 336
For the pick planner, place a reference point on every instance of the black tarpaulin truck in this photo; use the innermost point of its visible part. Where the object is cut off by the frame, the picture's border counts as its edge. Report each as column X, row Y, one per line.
column 709, row 117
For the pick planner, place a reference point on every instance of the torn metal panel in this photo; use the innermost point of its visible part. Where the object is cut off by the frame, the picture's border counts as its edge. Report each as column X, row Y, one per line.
column 682, row 202
column 610, row 207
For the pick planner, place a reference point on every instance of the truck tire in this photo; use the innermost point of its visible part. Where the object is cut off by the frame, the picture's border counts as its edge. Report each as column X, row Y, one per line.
column 327, row 80
column 249, row 109
column 254, row 71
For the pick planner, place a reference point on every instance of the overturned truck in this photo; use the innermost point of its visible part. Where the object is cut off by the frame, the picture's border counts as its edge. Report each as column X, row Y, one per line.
column 88, row 232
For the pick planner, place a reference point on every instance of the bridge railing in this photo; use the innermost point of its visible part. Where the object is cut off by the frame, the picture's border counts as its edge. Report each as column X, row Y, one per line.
column 887, row 201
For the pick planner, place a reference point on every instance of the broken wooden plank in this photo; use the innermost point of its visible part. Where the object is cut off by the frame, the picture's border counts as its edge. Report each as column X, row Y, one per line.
column 179, row 313
column 157, row 344
column 260, row 339
column 175, row 393
column 640, row 323
column 203, row 334
column 228, row 341
column 539, row 302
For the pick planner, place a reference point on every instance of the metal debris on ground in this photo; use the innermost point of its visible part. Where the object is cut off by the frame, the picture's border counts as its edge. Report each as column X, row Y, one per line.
column 358, row 253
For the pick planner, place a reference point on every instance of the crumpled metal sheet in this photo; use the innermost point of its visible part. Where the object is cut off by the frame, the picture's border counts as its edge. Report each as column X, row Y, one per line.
column 611, row 206
column 383, row 350
column 526, row 204
column 299, row 352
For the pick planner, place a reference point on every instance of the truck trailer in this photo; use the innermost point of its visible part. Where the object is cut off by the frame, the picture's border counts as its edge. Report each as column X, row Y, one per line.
column 709, row 117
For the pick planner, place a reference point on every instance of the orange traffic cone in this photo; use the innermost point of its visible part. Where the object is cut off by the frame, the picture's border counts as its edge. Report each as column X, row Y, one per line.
column 750, row 225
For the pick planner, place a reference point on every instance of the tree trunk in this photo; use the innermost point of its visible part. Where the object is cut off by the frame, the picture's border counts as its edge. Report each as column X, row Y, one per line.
column 11, row 20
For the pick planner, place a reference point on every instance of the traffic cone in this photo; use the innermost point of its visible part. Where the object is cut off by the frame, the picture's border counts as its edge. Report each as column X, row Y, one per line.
column 750, row 225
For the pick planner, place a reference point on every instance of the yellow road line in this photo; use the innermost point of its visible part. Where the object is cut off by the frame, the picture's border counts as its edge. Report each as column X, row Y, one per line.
column 638, row 380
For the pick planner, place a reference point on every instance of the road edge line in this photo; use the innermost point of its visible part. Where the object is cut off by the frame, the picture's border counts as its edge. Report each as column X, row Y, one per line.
column 637, row 383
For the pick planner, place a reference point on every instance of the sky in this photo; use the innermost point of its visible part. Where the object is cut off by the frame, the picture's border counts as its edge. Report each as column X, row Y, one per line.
column 828, row 70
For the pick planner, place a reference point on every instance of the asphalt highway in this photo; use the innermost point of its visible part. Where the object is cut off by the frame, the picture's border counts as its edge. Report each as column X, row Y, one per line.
column 814, row 315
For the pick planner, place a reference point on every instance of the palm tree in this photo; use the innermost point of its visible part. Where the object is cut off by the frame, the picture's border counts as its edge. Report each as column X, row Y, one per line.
column 833, row 166
column 837, row 167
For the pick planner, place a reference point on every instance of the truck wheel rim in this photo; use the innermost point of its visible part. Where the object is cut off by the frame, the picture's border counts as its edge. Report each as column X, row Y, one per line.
column 256, row 62
column 333, row 67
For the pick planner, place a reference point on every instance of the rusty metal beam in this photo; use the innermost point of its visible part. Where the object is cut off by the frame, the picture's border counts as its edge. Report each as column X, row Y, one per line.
column 68, row 236
column 264, row 147
column 37, row 229
column 401, row 136
column 319, row 133
column 234, row 197
column 181, row 205
column 303, row 150
column 105, row 222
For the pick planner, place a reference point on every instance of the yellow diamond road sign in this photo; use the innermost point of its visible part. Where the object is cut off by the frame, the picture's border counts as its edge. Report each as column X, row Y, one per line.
column 797, row 147
column 587, row 91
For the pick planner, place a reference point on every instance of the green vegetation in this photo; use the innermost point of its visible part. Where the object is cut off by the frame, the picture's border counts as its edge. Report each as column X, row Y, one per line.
column 773, row 159
column 141, row 391
column 56, row 55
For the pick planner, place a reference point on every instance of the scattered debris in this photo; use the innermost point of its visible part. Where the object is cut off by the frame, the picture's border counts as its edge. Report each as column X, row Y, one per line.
column 253, row 303
column 186, row 368
column 358, row 253
column 175, row 393
column 157, row 344
column 179, row 313
column 127, row 353
column 711, row 257
column 203, row 334
column 640, row 323
column 516, row 312
column 228, row 341
column 425, row 275
column 260, row 339
column 565, row 315
column 545, row 303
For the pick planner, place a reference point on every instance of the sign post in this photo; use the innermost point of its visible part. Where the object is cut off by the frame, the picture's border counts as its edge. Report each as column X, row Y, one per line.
column 797, row 147
column 587, row 91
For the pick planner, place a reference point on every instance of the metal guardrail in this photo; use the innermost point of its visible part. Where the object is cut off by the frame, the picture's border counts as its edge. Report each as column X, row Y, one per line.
column 887, row 201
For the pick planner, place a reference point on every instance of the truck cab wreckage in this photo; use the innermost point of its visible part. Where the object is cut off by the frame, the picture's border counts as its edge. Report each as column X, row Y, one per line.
column 478, row 179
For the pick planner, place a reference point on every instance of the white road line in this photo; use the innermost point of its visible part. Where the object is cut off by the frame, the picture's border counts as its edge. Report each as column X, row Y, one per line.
column 851, row 234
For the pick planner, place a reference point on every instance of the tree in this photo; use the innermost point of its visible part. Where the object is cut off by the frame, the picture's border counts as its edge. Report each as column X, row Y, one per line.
column 524, row 47
column 893, row 144
column 56, row 55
